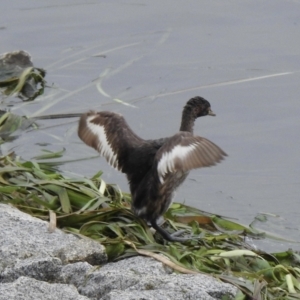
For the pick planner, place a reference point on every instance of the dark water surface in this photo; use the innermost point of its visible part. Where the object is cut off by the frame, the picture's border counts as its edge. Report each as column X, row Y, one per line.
column 145, row 59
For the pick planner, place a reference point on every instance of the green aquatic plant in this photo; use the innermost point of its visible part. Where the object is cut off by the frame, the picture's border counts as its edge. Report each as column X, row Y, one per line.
column 90, row 207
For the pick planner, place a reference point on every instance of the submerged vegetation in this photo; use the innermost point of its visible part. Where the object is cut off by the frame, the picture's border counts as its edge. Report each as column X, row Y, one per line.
column 92, row 208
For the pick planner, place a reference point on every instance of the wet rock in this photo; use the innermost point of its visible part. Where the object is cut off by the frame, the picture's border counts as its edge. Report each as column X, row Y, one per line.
column 14, row 62
column 19, row 77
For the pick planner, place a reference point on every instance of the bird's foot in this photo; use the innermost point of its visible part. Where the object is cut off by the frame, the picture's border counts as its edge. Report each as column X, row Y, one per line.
column 189, row 237
column 178, row 233
column 174, row 237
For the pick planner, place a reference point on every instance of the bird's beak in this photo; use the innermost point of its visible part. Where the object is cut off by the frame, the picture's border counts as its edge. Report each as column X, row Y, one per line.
column 211, row 113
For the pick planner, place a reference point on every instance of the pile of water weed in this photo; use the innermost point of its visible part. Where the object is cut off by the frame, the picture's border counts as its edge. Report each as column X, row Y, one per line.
column 90, row 207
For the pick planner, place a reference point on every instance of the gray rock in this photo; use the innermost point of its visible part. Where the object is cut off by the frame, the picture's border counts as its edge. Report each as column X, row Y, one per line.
column 25, row 288
column 153, row 295
column 23, row 236
column 36, row 264
column 83, row 249
column 41, row 268
column 120, row 275
column 75, row 274
column 146, row 278
column 183, row 287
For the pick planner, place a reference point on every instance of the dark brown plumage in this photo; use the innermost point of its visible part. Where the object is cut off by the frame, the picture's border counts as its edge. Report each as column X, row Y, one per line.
column 154, row 168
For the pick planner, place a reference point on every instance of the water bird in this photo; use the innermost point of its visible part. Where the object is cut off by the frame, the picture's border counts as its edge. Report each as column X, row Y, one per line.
column 154, row 168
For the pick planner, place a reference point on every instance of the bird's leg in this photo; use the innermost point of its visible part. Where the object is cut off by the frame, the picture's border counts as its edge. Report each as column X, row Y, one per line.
column 178, row 232
column 167, row 236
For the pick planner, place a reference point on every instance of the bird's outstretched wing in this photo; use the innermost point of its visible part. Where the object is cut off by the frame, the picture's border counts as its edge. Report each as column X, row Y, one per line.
column 109, row 134
column 184, row 152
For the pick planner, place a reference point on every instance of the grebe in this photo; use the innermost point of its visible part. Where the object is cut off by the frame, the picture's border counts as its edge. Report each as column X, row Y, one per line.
column 154, row 168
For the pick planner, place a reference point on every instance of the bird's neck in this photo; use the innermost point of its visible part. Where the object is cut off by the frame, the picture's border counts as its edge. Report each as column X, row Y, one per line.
column 188, row 119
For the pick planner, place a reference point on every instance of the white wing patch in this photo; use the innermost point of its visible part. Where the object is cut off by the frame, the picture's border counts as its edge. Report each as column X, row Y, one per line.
column 103, row 146
column 166, row 163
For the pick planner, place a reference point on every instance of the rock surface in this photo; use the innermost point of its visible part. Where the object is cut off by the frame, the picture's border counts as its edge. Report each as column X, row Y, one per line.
column 36, row 264
column 28, row 288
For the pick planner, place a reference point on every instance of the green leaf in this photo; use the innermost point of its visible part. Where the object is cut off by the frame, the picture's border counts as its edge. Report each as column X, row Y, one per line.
column 114, row 251
column 50, row 154
column 62, row 194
